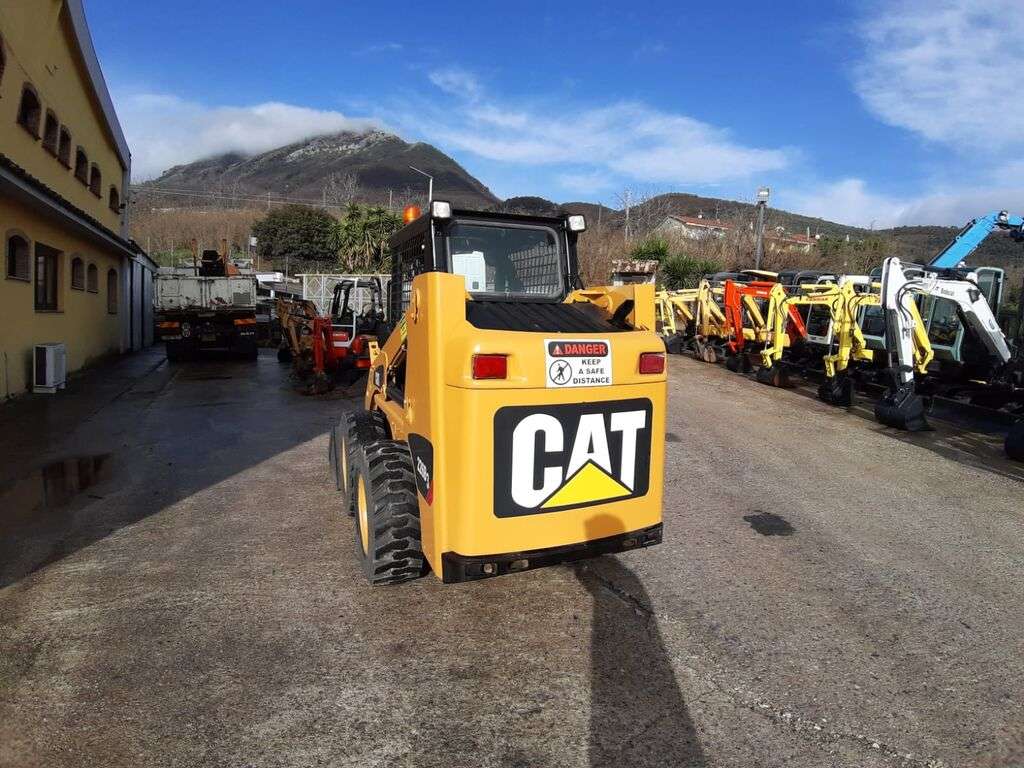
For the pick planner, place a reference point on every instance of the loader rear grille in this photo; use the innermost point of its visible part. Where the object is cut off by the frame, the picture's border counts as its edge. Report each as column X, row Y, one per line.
column 538, row 317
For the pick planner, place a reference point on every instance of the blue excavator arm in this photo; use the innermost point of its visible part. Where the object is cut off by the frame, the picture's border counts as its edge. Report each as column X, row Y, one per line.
column 973, row 235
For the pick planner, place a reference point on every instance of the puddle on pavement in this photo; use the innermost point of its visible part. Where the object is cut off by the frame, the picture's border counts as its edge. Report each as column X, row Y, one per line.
column 54, row 486
column 768, row 524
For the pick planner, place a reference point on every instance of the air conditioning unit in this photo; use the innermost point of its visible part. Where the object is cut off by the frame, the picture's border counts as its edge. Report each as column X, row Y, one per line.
column 50, row 366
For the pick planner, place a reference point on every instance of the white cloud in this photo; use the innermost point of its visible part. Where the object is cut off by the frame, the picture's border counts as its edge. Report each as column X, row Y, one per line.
column 585, row 183
column 956, row 207
column 650, row 49
column 165, row 130
column 457, row 82
column 389, row 47
column 627, row 140
column 947, row 70
column 850, row 201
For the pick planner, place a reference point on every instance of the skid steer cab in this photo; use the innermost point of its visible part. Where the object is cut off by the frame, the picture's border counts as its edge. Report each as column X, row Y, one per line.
column 513, row 419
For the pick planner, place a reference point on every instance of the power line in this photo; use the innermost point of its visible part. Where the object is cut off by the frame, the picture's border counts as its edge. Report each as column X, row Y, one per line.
column 268, row 198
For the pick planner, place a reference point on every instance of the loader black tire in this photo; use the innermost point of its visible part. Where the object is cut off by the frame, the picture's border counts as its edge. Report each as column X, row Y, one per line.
column 284, row 355
column 353, row 428
column 387, row 521
column 1015, row 442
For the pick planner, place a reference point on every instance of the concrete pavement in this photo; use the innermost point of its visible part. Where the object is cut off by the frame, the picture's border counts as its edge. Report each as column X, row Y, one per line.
column 197, row 602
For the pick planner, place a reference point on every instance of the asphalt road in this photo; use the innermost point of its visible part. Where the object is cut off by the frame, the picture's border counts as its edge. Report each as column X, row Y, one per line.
column 828, row 593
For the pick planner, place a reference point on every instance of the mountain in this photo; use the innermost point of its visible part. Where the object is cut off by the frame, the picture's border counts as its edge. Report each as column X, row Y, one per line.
column 367, row 166
column 333, row 168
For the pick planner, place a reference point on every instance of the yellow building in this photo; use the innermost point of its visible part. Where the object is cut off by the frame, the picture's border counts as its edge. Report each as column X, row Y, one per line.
column 70, row 274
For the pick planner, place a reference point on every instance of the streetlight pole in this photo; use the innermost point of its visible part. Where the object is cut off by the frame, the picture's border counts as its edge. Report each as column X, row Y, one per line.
column 762, row 202
column 430, row 189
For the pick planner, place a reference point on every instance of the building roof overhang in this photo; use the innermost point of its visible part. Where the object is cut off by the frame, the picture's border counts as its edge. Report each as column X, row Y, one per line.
column 92, row 65
column 18, row 184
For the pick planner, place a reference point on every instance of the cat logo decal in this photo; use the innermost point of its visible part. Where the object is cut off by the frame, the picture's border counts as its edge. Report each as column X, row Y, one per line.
column 552, row 458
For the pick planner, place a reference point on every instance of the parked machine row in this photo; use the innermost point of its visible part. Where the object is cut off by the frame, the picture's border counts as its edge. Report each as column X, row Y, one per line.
column 916, row 332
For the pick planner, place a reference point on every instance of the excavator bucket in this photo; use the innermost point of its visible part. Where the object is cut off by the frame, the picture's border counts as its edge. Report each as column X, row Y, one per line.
column 737, row 362
column 774, row 375
column 837, row 390
column 903, row 409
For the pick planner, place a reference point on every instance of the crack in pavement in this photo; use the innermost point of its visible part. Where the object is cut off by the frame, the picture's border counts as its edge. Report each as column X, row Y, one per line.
column 809, row 729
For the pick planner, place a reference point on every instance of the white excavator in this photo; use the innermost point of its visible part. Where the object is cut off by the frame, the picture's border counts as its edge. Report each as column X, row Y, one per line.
column 902, row 406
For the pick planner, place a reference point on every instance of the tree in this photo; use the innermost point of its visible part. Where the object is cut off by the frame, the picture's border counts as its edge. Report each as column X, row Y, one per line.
column 298, row 237
column 681, row 271
column 681, row 262
column 340, row 189
column 363, row 234
column 652, row 248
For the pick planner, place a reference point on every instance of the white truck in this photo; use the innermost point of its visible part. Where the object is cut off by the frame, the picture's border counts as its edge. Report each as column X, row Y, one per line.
column 209, row 307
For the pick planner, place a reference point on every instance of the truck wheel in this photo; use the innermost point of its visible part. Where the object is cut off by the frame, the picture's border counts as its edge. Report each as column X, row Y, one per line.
column 387, row 528
column 284, row 355
column 175, row 353
column 354, row 428
column 1015, row 442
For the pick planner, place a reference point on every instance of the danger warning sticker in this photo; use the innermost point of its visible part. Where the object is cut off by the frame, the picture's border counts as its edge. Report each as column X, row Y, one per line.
column 586, row 363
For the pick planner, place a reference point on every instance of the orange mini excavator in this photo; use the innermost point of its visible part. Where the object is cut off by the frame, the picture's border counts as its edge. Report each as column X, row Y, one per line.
column 330, row 349
column 749, row 308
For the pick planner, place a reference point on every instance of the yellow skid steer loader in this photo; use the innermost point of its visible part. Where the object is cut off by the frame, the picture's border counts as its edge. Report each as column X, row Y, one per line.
column 513, row 419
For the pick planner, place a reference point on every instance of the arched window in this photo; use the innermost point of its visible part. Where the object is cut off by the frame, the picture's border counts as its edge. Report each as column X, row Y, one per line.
column 92, row 283
column 64, row 147
column 29, row 110
column 96, row 181
column 19, row 261
column 115, row 200
column 48, row 278
column 112, row 292
column 50, row 130
column 81, row 166
column 78, row 273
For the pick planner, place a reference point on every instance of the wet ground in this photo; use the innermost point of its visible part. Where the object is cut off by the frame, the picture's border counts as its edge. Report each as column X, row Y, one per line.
column 177, row 588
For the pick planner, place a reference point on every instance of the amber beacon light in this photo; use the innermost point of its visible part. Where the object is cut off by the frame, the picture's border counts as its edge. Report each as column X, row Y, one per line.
column 410, row 214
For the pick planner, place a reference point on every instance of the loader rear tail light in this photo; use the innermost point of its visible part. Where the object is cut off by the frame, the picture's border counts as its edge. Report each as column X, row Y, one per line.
column 245, row 321
column 490, row 366
column 168, row 325
column 652, row 362
column 410, row 214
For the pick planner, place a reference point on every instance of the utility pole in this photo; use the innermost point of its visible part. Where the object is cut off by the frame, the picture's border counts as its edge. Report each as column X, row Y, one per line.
column 627, row 195
column 762, row 202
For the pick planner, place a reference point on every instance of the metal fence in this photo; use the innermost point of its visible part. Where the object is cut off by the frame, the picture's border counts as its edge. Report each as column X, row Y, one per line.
column 319, row 288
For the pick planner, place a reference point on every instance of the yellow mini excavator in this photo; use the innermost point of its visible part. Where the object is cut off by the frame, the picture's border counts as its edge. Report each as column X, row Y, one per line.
column 675, row 317
column 513, row 419
column 842, row 301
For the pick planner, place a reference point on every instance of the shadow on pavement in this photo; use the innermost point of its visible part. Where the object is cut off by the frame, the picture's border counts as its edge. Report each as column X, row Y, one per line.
column 959, row 437
column 638, row 716
column 149, row 448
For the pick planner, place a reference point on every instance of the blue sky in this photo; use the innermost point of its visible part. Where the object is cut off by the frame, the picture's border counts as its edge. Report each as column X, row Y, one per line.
column 861, row 112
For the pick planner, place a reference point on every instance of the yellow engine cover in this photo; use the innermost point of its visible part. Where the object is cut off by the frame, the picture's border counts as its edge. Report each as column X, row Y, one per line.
column 568, row 448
